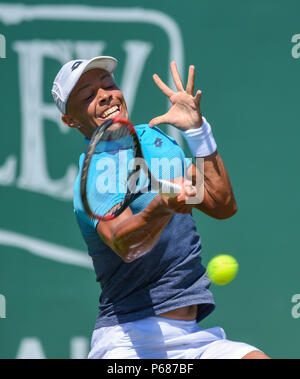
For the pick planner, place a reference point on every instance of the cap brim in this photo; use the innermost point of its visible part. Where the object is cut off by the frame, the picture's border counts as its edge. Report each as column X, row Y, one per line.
column 104, row 62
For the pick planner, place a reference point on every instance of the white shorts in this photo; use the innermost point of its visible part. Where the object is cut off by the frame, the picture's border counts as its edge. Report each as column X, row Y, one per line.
column 164, row 338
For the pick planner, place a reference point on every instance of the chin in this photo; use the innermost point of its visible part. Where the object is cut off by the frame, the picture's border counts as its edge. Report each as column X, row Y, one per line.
column 123, row 114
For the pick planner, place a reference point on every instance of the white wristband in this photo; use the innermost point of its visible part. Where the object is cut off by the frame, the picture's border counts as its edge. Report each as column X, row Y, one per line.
column 201, row 140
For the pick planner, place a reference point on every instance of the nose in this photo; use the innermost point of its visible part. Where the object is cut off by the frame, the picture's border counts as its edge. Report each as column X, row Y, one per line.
column 104, row 98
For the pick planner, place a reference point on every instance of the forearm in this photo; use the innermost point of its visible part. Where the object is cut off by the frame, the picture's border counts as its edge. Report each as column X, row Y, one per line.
column 137, row 235
column 217, row 196
column 218, row 201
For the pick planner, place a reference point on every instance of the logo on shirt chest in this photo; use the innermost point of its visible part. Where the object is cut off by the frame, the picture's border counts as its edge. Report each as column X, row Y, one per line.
column 158, row 142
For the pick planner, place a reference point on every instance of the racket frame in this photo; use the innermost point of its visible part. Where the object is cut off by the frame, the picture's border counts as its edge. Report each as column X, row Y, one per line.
column 164, row 187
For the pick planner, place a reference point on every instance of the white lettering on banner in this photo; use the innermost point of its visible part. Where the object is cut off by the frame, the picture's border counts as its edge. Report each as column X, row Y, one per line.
column 2, row 306
column 137, row 54
column 8, row 171
column 32, row 348
column 79, row 348
column 88, row 49
column 34, row 174
column 2, row 46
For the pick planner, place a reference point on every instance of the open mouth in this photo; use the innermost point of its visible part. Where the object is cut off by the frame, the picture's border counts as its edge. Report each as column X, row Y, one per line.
column 110, row 113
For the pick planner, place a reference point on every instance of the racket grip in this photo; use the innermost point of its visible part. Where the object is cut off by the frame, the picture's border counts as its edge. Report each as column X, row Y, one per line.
column 169, row 189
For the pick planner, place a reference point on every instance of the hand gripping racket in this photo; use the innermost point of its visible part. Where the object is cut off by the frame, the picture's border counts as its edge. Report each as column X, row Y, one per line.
column 122, row 131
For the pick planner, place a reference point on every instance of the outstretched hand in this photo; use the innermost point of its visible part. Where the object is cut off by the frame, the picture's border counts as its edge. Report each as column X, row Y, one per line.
column 185, row 111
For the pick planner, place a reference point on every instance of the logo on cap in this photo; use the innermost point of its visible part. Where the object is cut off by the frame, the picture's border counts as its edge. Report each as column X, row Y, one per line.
column 76, row 65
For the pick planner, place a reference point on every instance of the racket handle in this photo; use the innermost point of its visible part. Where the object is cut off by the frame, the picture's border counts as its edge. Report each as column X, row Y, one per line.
column 169, row 189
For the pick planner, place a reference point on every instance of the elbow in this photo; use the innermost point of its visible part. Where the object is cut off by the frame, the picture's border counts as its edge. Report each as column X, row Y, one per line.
column 226, row 211
column 131, row 255
column 128, row 252
column 127, row 258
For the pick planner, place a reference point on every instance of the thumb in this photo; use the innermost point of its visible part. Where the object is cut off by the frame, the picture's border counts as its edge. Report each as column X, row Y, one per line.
column 158, row 120
column 197, row 98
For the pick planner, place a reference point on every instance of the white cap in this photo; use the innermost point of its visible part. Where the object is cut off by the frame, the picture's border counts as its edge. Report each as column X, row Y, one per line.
column 71, row 72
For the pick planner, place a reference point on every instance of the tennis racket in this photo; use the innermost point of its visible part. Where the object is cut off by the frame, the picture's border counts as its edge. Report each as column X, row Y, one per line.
column 123, row 132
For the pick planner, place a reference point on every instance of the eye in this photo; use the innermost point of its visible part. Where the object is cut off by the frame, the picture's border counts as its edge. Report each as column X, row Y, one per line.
column 109, row 86
column 89, row 97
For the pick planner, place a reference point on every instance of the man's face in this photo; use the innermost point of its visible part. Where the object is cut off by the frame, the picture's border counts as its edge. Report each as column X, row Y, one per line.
column 94, row 99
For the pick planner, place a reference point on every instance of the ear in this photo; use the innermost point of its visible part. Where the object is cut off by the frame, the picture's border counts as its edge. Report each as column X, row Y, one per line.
column 69, row 121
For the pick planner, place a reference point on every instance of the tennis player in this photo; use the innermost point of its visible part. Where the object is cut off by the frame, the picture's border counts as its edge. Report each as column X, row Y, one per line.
column 147, row 260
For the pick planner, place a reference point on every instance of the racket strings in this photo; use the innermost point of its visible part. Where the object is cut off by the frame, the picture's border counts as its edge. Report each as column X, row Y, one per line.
column 130, row 174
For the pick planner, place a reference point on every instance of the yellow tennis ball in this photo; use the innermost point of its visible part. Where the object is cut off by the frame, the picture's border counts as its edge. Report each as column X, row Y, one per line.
column 222, row 269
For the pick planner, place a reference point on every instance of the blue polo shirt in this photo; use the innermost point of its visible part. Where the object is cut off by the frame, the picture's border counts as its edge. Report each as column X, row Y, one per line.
column 168, row 277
